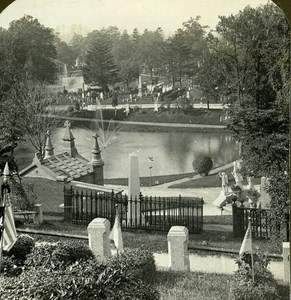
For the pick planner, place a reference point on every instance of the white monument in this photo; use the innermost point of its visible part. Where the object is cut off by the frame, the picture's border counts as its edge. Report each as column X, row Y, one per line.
column 265, row 198
column 139, row 87
column 237, row 174
column 133, row 210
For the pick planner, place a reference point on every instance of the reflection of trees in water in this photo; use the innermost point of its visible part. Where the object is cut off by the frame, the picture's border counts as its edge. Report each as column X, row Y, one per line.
column 177, row 146
column 228, row 150
column 182, row 147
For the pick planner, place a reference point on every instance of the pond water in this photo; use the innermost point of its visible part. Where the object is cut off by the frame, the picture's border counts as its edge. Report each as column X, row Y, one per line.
column 171, row 152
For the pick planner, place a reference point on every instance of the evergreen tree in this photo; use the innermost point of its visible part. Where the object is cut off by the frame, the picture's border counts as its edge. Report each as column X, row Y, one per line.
column 100, row 67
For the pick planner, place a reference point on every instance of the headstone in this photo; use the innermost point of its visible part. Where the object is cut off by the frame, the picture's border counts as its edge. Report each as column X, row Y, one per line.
column 178, row 239
column 265, row 198
column 250, row 180
column 127, row 109
column 286, row 262
column 156, row 107
column 133, row 210
column 99, row 242
column 139, row 87
column 39, row 217
column 237, row 174
column 224, row 182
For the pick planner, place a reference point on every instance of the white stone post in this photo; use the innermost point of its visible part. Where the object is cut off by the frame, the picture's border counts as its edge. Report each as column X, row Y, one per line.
column 39, row 217
column 133, row 209
column 178, row 239
column 286, row 262
column 139, row 87
column 99, row 242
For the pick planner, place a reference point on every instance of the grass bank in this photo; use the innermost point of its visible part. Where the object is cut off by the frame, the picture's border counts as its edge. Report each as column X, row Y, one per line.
column 199, row 286
column 209, row 181
column 189, row 115
column 157, row 241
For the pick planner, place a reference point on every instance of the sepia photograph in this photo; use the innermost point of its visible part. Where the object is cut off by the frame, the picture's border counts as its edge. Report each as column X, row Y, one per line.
column 145, row 149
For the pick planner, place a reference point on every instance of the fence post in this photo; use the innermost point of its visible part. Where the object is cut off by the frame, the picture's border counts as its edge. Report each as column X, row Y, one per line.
column 286, row 262
column 178, row 240
column 68, row 203
column 99, row 242
column 39, row 216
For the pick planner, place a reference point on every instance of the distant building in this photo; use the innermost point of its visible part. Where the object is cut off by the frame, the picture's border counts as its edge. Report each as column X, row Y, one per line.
column 68, row 165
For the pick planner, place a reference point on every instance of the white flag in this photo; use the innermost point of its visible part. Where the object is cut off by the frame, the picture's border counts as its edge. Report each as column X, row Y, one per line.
column 116, row 234
column 246, row 245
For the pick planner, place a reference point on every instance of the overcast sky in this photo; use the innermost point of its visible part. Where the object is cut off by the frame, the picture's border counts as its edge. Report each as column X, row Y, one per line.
column 125, row 14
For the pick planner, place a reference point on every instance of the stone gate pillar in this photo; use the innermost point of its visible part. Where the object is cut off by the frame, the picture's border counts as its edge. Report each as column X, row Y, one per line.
column 178, row 240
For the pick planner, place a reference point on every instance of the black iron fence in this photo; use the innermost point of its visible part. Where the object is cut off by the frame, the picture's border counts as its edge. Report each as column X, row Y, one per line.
column 264, row 222
column 143, row 212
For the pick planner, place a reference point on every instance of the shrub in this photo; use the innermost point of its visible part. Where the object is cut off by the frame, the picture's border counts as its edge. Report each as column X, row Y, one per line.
column 140, row 262
column 22, row 247
column 58, row 255
column 264, row 286
column 203, row 164
column 83, row 280
column 9, row 267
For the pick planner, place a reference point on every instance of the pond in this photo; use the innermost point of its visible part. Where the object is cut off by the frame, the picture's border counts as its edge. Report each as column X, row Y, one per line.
column 170, row 152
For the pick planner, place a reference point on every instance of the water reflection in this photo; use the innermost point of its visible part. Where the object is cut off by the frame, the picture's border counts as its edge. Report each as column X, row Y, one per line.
column 172, row 152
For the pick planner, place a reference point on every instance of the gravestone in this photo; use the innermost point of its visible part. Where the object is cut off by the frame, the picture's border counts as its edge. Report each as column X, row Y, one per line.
column 127, row 109
column 178, row 240
column 237, row 174
column 250, row 180
column 224, row 182
column 99, row 242
column 265, row 198
column 139, row 87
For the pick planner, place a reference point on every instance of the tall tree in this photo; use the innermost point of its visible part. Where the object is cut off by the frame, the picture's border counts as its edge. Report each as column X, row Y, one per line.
column 33, row 48
column 254, row 42
column 65, row 53
column 125, row 59
column 259, row 53
column 150, row 51
column 100, row 67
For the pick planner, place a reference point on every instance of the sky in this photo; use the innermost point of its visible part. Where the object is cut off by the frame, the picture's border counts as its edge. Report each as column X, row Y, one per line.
column 125, row 14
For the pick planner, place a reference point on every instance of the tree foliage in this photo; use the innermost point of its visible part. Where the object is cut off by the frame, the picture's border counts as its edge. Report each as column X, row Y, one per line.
column 33, row 48
column 100, row 67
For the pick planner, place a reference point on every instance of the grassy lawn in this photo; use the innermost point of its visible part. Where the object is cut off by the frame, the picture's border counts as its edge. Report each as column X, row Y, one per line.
column 157, row 241
column 193, row 285
column 191, row 115
column 199, row 286
column 209, row 181
column 49, row 194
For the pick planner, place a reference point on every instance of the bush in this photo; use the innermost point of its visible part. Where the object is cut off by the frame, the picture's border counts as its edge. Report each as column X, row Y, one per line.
column 203, row 164
column 140, row 262
column 22, row 247
column 9, row 267
column 88, row 279
column 58, row 255
column 264, row 286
